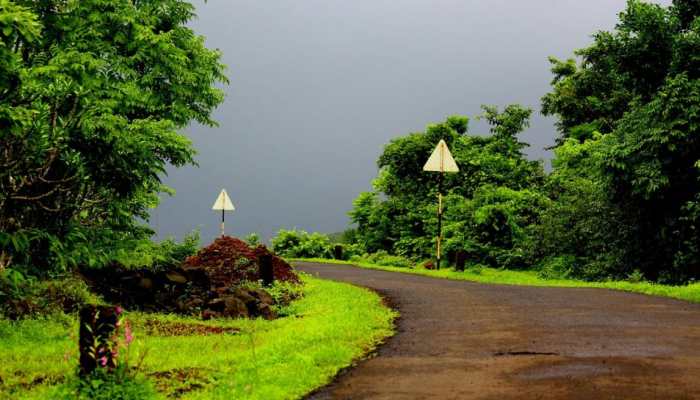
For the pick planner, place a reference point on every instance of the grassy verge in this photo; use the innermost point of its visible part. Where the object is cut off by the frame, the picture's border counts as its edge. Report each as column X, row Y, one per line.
column 509, row 277
column 332, row 325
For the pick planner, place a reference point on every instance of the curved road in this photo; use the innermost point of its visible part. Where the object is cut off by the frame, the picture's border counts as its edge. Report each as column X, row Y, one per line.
column 463, row 340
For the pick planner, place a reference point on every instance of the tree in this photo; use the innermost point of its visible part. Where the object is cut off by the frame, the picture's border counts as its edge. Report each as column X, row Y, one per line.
column 400, row 215
column 92, row 97
column 639, row 88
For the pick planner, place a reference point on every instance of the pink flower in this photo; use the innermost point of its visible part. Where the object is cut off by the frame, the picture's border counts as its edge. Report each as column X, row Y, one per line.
column 103, row 360
column 128, row 335
column 118, row 310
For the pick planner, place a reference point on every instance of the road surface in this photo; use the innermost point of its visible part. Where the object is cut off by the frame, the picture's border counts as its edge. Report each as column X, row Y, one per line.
column 464, row 340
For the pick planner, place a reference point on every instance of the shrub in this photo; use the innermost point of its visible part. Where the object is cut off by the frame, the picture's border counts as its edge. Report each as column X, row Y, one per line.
column 102, row 384
column 160, row 256
column 25, row 296
column 298, row 243
column 383, row 258
column 559, row 267
column 476, row 269
column 253, row 239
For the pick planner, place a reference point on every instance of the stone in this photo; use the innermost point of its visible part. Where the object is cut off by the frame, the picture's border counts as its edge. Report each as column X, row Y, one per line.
column 262, row 296
column 235, row 307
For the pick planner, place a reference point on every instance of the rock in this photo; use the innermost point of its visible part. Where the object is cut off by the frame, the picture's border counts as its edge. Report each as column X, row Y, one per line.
column 245, row 296
column 174, row 276
column 209, row 314
column 262, row 296
column 265, row 311
column 217, row 304
column 235, row 307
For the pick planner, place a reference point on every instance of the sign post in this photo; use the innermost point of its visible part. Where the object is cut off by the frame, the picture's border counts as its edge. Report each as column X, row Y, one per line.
column 223, row 203
column 441, row 161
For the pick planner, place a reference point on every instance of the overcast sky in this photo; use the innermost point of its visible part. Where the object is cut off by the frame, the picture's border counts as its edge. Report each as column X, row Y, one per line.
column 319, row 86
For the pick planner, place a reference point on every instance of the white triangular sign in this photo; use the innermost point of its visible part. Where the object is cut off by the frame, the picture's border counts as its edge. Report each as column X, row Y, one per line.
column 441, row 160
column 223, row 202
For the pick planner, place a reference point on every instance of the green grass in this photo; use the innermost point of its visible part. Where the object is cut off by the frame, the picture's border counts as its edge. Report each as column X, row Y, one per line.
column 530, row 278
column 332, row 325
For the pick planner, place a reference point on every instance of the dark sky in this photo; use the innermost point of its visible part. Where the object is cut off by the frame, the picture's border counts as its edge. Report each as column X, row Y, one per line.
column 319, row 86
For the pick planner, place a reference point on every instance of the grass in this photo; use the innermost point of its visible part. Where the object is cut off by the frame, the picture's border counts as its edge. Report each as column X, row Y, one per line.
column 530, row 278
column 332, row 325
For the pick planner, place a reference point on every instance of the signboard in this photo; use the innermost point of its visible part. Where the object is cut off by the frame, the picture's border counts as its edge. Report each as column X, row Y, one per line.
column 223, row 202
column 441, row 160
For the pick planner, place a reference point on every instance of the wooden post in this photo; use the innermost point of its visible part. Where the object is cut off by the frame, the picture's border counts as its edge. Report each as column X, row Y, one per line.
column 266, row 271
column 460, row 260
column 338, row 252
column 97, row 328
column 439, row 227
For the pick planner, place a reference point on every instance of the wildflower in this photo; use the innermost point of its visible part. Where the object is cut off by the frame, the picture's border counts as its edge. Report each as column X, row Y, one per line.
column 118, row 310
column 128, row 335
column 103, row 360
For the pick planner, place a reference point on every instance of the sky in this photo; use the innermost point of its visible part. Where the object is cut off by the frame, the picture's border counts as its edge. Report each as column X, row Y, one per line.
column 318, row 87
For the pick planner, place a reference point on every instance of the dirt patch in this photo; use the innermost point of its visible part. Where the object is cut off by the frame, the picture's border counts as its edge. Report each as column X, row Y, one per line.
column 162, row 328
column 177, row 382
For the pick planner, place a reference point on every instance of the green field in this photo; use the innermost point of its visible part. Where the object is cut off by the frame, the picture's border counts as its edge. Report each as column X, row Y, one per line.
column 330, row 327
column 689, row 292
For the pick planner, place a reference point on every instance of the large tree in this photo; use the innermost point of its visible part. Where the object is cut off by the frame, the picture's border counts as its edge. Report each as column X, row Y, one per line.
column 639, row 86
column 93, row 95
column 400, row 215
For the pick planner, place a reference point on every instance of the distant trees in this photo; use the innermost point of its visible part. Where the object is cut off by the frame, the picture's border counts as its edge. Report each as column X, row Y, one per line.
column 92, row 96
column 624, row 193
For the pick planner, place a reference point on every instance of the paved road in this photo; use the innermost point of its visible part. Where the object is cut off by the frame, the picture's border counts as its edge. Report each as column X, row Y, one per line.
column 462, row 340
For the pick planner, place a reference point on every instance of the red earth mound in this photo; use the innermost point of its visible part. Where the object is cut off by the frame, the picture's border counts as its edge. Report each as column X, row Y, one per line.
column 229, row 261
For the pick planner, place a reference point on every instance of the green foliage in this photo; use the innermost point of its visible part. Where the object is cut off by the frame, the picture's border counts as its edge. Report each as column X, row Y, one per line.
column 103, row 384
column 253, row 239
column 25, row 296
column 558, row 267
column 496, row 226
column 626, row 179
column 297, row 243
column 383, row 258
column 92, row 97
column 161, row 256
column 400, row 216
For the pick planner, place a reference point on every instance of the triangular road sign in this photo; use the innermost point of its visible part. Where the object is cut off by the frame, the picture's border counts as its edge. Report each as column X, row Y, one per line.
column 441, row 160
column 223, row 202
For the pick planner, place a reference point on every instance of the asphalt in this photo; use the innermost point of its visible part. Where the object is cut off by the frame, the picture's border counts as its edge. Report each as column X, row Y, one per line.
column 463, row 340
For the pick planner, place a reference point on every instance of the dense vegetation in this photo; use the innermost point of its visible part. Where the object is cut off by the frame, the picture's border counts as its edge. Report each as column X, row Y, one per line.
column 623, row 197
column 92, row 96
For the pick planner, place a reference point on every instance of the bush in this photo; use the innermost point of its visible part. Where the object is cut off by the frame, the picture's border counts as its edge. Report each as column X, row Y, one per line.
column 384, row 259
column 105, row 384
column 301, row 244
column 160, row 256
column 253, row 239
column 25, row 296
column 559, row 267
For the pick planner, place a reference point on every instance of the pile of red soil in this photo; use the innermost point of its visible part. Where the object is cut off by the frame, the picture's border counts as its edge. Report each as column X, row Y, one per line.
column 229, row 261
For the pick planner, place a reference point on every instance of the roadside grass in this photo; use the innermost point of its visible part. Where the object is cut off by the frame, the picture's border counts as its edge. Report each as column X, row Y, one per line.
column 530, row 278
column 323, row 332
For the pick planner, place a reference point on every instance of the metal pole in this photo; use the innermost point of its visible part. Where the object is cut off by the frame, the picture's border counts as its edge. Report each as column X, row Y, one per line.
column 222, row 223
column 439, row 227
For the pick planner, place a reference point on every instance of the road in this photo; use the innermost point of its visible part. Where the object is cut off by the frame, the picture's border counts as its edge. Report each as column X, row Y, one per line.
column 464, row 340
